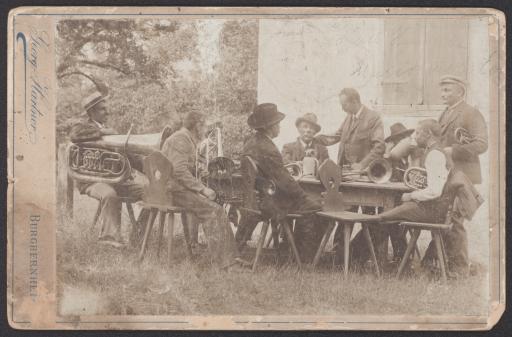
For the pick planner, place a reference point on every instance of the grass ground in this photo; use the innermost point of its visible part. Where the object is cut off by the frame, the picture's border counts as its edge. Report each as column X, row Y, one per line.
column 96, row 279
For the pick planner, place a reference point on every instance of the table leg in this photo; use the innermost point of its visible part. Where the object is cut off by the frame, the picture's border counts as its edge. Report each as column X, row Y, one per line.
column 347, row 231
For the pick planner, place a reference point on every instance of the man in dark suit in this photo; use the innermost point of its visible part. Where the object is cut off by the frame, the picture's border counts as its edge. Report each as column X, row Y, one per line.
column 91, row 128
column 361, row 138
column 459, row 114
column 190, row 193
column 306, row 143
column 289, row 196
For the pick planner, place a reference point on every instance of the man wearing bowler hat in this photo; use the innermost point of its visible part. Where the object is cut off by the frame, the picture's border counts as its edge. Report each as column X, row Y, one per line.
column 459, row 114
column 93, row 127
column 306, row 144
column 289, row 196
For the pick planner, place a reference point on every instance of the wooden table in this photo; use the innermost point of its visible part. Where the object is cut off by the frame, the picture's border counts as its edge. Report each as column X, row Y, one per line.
column 386, row 195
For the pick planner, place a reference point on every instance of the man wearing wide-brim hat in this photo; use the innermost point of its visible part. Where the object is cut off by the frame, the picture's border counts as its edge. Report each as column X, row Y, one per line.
column 289, row 196
column 459, row 114
column 91, row 128
column 308, row 127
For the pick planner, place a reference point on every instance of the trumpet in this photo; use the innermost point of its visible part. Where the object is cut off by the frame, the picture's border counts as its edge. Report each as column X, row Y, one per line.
column 378, row 171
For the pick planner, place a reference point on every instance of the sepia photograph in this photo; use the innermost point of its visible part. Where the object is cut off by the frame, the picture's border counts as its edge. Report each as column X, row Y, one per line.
column 288, row 171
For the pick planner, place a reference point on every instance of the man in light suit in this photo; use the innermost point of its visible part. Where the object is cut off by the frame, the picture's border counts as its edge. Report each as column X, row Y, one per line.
column 361, row 139
column 459, row 114
column 190, row 193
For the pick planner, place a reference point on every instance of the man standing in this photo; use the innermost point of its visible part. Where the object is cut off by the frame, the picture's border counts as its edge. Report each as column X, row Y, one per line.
column 361, row 138
column 289, row 196
column 92, row 128
column 190, row 193
column 306, row 144
column 459, row 114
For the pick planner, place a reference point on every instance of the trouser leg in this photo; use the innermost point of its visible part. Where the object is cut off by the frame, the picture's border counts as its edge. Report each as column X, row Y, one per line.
column 110, row 216
column 221, row 242
column 398, row 240
column 456, row 244
column 245, row 228
column 308, row 229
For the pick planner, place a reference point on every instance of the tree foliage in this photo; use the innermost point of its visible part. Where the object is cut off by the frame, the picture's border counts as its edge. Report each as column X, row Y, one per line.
column 153, row 71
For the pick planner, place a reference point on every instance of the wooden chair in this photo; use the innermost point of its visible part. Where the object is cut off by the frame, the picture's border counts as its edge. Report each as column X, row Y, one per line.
column 128, row 202
column 158, row 169
column 334, row 211
column 253, row 184
column 435, row 229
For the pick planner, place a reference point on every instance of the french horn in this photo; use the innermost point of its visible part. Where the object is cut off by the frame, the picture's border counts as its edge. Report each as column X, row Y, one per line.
column 415, row 178
column 295, row 169
column 463, row 136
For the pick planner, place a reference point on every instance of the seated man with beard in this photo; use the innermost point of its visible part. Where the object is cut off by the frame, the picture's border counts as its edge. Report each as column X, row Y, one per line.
column 289, row 196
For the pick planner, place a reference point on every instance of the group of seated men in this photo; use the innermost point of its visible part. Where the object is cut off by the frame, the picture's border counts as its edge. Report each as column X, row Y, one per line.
column 361, row 140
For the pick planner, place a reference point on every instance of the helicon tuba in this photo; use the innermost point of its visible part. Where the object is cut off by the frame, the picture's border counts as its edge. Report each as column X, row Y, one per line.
column 415, row 178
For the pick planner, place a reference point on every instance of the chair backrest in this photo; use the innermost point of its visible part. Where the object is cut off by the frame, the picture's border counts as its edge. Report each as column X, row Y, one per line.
column 249, row 171
column 330, row 176
column 158, row 169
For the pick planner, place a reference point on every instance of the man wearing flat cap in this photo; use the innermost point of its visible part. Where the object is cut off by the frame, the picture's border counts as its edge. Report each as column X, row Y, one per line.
column 305, row 144
column 459, row 114
column 289, row 196
column 92, row 128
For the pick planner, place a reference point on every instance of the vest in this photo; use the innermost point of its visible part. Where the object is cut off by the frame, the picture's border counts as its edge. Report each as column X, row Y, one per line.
column 440, row 204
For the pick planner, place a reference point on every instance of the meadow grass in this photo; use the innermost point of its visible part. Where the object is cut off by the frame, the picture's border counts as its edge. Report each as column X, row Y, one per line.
column 115, row 283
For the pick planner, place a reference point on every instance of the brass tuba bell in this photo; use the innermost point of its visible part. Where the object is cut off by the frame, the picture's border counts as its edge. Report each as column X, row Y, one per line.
column 379, row 171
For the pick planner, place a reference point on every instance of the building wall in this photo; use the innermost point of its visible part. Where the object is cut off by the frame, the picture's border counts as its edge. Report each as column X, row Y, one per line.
column 303, row 64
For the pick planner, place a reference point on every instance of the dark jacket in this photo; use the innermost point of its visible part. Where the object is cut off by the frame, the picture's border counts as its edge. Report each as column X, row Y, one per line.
column 363, row 141
column 85, row 130
column 180, row 149
column 295, row 151
column 289, row 195
column 465, row 157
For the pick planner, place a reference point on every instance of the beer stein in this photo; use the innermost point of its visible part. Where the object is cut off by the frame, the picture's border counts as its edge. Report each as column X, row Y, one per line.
column 402, row 149
column 309, row 166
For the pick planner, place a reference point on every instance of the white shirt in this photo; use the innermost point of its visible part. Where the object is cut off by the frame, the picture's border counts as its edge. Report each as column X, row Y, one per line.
column 437, row 174
column 304, row 145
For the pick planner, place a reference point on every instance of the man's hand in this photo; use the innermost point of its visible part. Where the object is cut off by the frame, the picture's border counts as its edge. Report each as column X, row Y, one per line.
column 108, row 131
column 448, row 151
column 327, row 140
column 406, row 197
column 356, row 167
column 209, row 193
